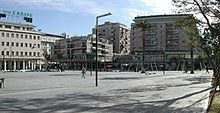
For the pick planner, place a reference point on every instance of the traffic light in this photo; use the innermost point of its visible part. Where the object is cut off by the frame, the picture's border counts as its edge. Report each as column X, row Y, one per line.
column 2, row 15
column 28, row 19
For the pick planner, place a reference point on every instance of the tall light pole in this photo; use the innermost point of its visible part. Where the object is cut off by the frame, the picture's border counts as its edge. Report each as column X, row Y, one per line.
column 91, row 56
column 96, row 70
column 164, row 59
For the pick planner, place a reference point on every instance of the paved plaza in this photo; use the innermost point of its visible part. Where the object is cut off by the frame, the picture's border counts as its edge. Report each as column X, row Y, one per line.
column 118, row 92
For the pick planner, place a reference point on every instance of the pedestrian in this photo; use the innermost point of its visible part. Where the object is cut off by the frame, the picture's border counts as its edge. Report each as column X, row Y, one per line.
column 83, row 72
column 207, row 69
column 186, row 70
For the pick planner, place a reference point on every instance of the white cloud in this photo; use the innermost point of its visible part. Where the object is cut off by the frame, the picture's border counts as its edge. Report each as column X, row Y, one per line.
column 159, row 6
column 80, row 6
column 136, row 12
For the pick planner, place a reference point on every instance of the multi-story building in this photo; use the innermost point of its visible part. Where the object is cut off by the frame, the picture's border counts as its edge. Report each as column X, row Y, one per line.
column 20, row 46
column 118, row 34
column 48, row 40
column 162, row 38
column 79, row 51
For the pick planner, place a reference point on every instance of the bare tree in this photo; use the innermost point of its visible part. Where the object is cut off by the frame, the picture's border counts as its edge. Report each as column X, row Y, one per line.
column 207, row 18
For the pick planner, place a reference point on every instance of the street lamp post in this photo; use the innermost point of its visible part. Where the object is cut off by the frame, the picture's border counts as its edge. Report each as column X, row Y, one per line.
column 96, row 71
column 164, row 59
column 91, row 57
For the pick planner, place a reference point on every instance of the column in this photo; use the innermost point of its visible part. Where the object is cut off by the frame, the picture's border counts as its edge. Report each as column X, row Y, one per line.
column 24, row 65
column 1, row 65
column 15, row 65
column 5, row 65
column 40, row 65
column 32, row 65
column 29, row 64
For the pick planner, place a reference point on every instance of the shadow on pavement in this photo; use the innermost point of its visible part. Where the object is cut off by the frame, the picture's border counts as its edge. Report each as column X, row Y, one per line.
column 121, row 78
column 65, row 74
column 111, row 103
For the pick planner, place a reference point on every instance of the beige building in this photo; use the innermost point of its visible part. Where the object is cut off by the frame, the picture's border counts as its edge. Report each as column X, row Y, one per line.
column 20, row 47
column 161, row 38
column 118, row 34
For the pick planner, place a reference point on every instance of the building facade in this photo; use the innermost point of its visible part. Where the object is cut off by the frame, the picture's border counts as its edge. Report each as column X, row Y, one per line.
column 162, row 40
column 20, row 47
column 48, row 40
column 118, row 34
column 79, row 51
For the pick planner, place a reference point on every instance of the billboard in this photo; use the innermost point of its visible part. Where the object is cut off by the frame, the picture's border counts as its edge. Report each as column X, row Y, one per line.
column 16, row 15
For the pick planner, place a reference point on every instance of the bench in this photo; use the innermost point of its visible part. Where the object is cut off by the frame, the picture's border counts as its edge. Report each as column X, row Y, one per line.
column 149, row 73
column 115, row 70
column 2, row 82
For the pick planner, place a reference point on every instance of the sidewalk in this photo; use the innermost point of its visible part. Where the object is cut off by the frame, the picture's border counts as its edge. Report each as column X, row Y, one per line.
column 117, row 92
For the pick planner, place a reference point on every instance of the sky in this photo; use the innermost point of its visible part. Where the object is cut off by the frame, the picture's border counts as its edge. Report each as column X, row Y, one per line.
column 78, row 17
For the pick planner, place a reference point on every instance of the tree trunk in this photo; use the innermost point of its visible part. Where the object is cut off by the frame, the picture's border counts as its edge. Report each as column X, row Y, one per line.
column 192, row 63
column 143, row 51
column 215, row 83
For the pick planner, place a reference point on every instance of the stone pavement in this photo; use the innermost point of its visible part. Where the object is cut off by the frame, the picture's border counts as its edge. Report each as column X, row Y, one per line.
column 118, row 92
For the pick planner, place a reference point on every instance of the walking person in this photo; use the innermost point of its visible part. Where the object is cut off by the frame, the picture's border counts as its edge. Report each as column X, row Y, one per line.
column 83, row 72
column 185, row 70
column 207, row 69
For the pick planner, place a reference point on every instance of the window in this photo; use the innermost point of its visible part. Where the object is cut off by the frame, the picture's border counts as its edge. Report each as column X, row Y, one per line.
column 3, row 53
column 26, row 36
column 16, row 44
column 3, row 43
column 12, row 35
column 3, row 34
column 7, row 52
column 21, row 45
column 38, row 37
column 38, row 53
column 7, row 43
column 17, row 35
column 21, row 53
column 34, row 37
column 7, row 34
column 30, row 36
column 30, row 45
column 30, row 53
column 12, row 44
column 12, row 53
column 38, row 45
column 34, row 54
column 8, row 27
column 21, row 35
column 26, row 45
column 25, row 53
column 17, row 28
column 16, row 53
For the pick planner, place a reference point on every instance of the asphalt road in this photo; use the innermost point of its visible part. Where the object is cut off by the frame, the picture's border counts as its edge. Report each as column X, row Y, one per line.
column 117, row 92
